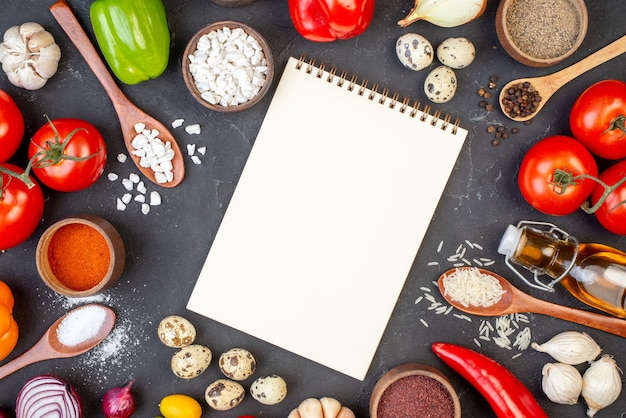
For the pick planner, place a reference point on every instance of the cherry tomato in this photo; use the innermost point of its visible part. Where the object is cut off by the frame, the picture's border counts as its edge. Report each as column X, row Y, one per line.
column 612, row 213
column 597, row 119
column 548, row 176
column 11, row 127
column 68, row 154
column 21, row 208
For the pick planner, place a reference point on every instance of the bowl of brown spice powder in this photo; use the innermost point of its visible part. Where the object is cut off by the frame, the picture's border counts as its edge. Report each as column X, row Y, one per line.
column 541, row 33
column 414, row 390
column 80, row 256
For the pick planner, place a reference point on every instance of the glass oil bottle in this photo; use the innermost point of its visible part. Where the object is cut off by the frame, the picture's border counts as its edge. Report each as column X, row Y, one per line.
column 593, row 273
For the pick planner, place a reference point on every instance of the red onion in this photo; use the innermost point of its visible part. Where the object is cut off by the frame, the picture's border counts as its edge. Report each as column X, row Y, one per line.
column 119, row 402
column 48, row 395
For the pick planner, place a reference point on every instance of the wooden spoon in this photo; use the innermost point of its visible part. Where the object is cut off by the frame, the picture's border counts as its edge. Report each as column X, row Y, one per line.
column 514, row 301
column 127, row 112
column 49, row 347
column 548, row 85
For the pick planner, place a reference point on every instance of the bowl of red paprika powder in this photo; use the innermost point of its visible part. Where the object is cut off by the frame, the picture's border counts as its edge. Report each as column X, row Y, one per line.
column 414, row 390
column 80, row 256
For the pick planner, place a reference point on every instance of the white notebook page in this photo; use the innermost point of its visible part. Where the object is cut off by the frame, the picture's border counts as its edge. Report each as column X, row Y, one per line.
column 325, row 221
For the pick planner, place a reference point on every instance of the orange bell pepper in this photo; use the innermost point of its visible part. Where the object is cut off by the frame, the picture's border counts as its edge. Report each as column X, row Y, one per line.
column 9, row 330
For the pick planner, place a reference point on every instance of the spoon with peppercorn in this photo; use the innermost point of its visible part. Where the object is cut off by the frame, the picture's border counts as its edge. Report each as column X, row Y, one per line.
column 523, row 98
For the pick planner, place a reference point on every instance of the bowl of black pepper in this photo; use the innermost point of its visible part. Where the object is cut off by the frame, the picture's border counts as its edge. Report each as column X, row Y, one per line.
column 410, row 389
column 541, row 33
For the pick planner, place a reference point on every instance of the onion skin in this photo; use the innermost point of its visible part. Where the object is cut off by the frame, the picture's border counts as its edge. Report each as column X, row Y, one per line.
column 445, row 13
column 46, row 393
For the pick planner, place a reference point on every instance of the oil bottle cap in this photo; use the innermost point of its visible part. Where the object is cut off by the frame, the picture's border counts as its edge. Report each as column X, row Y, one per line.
column 509, row 240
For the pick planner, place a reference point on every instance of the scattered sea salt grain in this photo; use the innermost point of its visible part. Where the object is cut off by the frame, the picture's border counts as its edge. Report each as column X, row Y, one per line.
column 155, row 198
column 140, row 198
column 177, row 123
column 112, row 176
column 81, row 325
column 202, row 150
column 121, row 157
column 134, row 177
column 120, row 205
column 145, row 208
column 191, row 149
column 193, row 129
column 126, row 198
column 228, row 66
column 128, row 184
column 196, row 160
column 141, row 187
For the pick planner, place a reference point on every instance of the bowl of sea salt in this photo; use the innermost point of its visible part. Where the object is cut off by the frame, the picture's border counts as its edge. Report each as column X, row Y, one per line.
column 228, row 66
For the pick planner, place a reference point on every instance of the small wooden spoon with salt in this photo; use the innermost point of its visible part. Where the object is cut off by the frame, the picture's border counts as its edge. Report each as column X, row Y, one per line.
column 50, row 347
column 127, row 112
column 514, row 301
column 547, row 85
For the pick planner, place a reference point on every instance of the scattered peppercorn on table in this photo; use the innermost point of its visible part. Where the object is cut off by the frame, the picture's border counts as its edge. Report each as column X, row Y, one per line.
column 167, row 232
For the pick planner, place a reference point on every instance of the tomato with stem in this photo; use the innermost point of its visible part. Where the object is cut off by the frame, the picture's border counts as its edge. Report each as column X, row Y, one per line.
column 67, row 154
column 557, row 175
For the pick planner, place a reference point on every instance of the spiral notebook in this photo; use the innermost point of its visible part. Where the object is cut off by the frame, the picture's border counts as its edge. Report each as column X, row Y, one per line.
column 327, row 217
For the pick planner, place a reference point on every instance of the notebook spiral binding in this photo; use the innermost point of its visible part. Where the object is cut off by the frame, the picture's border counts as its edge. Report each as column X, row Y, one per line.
column 362, row 89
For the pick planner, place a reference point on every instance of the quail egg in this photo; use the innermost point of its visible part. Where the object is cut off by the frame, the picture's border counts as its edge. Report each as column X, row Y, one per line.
column 224, row 394
column 414, row 51
column 269, row 390
column 456, row 53
column 176, row 331
column 440, row 84
column 237, row 364
column 191, row 361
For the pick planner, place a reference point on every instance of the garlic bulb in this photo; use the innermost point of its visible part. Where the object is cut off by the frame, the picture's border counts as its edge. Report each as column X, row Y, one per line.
column 445, row 13
column 570, row 347
column 29, row 55
column 561, row 383
column 602, row 384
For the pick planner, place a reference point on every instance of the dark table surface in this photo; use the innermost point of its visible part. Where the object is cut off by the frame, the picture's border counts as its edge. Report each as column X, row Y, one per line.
column 167, row 247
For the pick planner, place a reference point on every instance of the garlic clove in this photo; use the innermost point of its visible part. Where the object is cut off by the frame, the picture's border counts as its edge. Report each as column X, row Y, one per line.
column 311, row 408
column 562, row 383
column 28, row 29
column 47, row 64
column 330, row 407
column 40, row 40
column 602, row 384
column 27, row 78
column 13, row 41
column 345, row 412
column 570, row 347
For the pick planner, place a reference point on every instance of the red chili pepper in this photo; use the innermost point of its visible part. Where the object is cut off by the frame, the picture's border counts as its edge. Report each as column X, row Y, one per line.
column 328, row 20
column 508, row 397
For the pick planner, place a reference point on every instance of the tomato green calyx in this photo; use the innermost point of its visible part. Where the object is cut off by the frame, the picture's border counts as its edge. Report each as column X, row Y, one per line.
column 617, row 124
column 562, row 179
column 54, row 152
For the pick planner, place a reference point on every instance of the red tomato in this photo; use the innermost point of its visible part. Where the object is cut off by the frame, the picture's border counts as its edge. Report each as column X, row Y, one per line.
column 21, row 208
column 11, row 127
column 68, row 154
column 548, row 190
column 597, row 119
column 612, row 213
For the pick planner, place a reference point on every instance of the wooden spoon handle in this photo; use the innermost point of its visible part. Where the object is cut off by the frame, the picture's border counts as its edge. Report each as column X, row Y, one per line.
column 612, row 50
column 40, row 351
column 610, row 324
column 70, row 24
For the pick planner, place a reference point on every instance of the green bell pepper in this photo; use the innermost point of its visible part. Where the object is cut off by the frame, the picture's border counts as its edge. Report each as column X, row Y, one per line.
column 133, row 37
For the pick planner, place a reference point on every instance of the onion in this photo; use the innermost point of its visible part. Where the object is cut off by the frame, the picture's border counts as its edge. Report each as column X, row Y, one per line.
column 445, row 13
column 48, row 396
column 118, row 402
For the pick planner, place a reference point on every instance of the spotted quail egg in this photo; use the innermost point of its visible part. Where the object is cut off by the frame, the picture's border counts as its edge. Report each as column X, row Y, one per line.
column 176, row 331
column 456, row 53
column 191, row 361
column 224, row 394
column 414, row 51
column 237, row 364
column 440, row 84
column 269, row 390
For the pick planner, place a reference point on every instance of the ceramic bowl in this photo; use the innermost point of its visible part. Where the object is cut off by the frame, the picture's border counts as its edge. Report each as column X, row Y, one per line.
column 191, row 48
column 49, row 269
column 523, row 55
column 408, row 370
